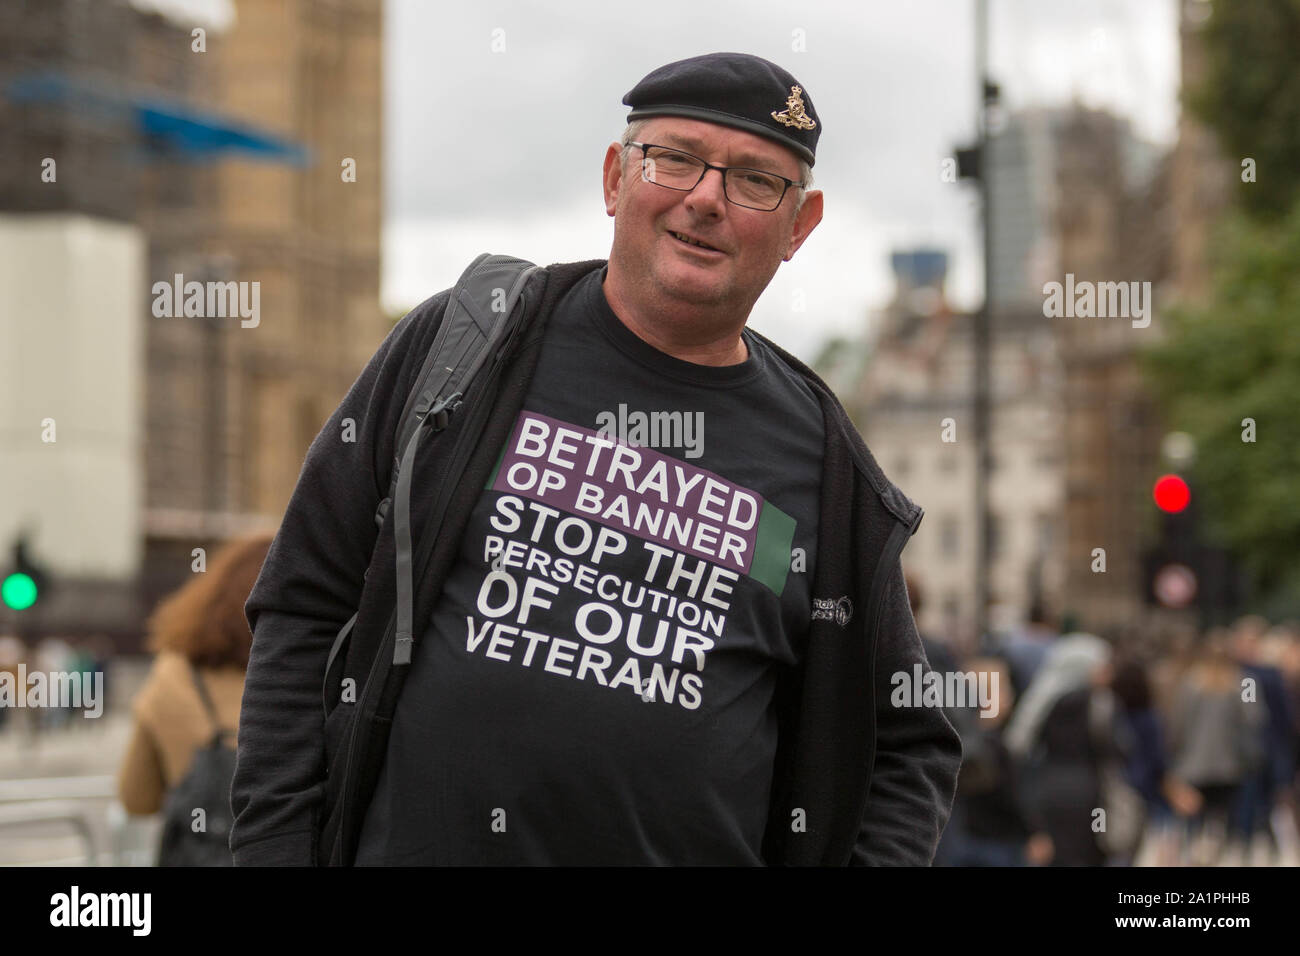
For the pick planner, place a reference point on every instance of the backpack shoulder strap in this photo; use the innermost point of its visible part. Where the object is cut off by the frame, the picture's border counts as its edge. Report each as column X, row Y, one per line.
column 477, row 318
column 476, row 323
column 206, row 699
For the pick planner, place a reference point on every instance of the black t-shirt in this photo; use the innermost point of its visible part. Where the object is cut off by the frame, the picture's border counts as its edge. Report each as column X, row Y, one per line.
column 596, row 684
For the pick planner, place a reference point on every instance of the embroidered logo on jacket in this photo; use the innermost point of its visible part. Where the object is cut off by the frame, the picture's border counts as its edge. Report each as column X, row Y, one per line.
column 829, row 609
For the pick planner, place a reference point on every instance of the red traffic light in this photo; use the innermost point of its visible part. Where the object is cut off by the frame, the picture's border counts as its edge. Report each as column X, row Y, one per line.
column 1171, row 494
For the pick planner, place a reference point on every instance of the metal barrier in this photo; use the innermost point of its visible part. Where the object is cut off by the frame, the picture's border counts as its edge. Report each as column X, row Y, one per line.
column 57, row 788
column 55, row 811
column 87, row 804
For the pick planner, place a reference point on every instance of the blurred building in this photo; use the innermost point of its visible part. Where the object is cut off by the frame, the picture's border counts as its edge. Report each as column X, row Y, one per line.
column 1113, row 226
column 1074, row 436
column 1123, row 217
column 1201, row 177
column 910, row 393
column 214, row 140
column 236, row 407
column 1201, row 186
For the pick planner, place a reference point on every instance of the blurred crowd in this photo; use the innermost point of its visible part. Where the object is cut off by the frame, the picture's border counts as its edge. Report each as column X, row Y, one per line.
column 1163, row 749
column 179, row 752
column 52, row 655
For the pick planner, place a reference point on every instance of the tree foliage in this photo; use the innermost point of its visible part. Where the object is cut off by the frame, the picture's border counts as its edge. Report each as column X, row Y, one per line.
column 1250, row 96
column 1233, row 357
column 1236, row 355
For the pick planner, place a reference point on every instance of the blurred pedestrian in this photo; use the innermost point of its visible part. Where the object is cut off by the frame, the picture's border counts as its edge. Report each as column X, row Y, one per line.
column 1260, row 793
column 1282, row 649
column 102, row 651
column 937, row 651
column 1062, row 735
column 990, row 823
column 1216, row 744
column 12, row 653
column 1147, row 767
column 82, row 663
column 202, row 642
column 1026, row 647
column 54, row 657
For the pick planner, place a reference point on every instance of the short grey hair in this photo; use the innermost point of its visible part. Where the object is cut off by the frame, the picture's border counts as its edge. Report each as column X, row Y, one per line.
column 633, row 132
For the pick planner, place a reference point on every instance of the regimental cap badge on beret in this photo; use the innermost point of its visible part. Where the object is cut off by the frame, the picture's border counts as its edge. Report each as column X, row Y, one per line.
column 732, row 89
column 793, row 114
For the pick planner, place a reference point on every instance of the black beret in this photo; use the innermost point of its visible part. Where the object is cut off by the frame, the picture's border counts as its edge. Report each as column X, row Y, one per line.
column 733, row 89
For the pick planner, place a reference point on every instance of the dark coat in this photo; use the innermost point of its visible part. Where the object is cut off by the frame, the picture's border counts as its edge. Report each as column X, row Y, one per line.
column 870, row 783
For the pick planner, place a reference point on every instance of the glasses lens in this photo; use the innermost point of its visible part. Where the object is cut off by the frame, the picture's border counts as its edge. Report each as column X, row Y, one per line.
column 754, row 188
column 668, row 167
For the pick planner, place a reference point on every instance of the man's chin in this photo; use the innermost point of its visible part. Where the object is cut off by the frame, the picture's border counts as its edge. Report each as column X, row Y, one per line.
column 693, row 284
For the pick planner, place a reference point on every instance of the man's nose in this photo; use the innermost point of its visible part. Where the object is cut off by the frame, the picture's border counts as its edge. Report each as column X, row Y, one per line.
column 708, row 197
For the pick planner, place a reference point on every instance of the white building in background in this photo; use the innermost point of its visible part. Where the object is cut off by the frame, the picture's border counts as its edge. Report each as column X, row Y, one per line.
column 910, row 395
column 72, row 313
column 1073, row 191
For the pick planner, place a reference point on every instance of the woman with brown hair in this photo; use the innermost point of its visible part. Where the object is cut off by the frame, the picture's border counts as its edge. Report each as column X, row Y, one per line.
column 202, row 642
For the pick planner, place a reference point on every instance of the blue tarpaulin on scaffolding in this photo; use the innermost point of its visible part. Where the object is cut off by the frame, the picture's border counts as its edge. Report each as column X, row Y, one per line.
column 166, row 126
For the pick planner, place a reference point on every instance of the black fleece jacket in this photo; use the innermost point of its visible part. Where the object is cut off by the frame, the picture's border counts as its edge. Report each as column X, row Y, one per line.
column 857, row 780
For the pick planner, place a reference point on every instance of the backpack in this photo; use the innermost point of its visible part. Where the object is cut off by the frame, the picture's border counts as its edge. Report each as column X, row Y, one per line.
column 478, row 329
column 479, row 320
column 205, row 786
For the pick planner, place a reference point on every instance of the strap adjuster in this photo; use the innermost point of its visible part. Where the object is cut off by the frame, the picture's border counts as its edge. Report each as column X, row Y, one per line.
column 440, row 414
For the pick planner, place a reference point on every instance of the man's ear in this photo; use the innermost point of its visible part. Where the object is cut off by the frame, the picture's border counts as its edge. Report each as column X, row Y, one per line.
column 613, row 177
column 805, row 221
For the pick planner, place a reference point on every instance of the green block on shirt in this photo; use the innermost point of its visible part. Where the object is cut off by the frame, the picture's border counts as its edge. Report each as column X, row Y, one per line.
column 772, row 548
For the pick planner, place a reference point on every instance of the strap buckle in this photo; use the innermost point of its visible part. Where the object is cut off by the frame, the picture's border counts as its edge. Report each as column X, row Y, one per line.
column 440, row 414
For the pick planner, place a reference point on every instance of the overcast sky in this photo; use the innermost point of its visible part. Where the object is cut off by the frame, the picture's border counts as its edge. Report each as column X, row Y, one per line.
column 501, row 151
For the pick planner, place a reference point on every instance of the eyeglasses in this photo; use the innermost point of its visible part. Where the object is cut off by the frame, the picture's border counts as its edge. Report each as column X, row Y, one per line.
column 751, row 188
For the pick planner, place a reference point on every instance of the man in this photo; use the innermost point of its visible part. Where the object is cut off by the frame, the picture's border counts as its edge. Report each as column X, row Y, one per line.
column 642, row 645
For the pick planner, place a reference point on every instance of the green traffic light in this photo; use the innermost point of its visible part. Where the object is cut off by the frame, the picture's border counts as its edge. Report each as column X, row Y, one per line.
column 18, row 591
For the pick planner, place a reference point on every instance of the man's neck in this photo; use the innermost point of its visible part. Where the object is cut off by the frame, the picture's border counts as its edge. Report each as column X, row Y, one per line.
column 727, row 349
